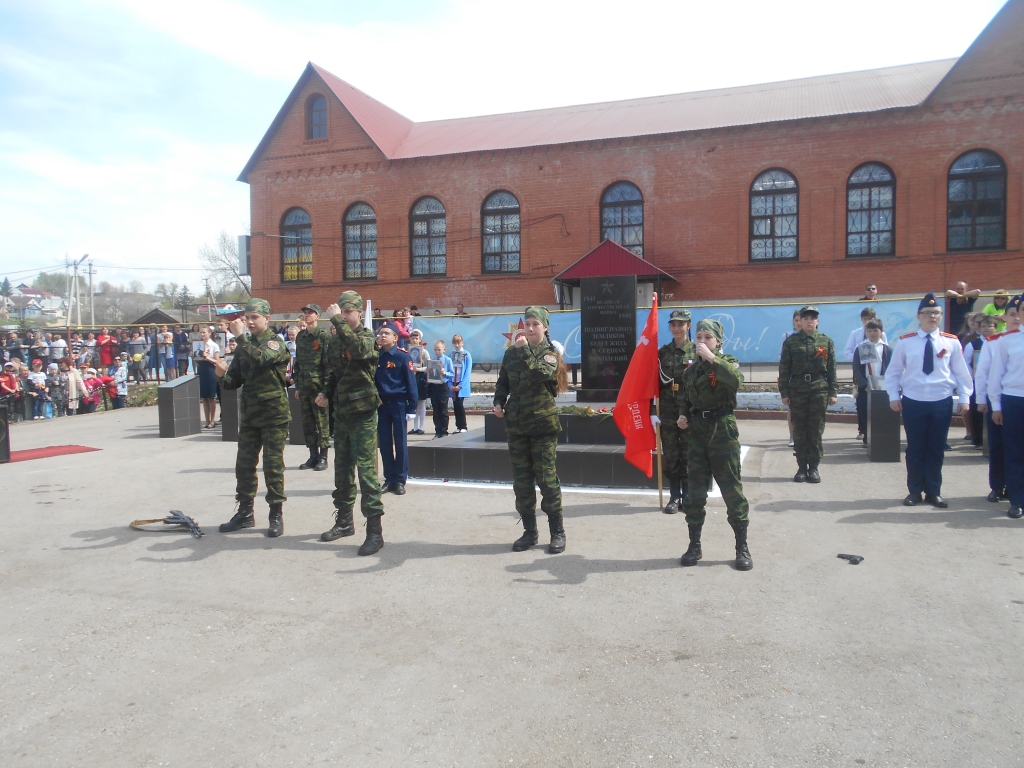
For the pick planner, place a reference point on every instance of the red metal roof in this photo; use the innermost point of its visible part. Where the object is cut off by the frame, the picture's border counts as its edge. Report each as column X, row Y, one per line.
column 610, row 259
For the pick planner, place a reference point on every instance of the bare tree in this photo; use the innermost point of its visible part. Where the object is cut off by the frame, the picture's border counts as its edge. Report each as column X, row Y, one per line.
column 220, row 267
column 166, row 292
column 136, row 286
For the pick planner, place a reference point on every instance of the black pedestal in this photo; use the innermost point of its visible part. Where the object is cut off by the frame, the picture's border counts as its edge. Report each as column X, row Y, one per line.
column 178, row 407
column 5, row 435
column 883, row 428
column 229, row 415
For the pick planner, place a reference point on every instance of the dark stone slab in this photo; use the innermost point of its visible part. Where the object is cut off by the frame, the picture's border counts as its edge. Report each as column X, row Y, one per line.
column 581, row 430
column 175, row 407
column 229, row 415
column 607, row 333
column 5, row 435
column 469, row 457
column 883, row 428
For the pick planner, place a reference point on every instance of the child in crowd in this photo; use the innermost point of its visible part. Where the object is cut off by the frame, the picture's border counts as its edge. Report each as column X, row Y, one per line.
column 984, row 326
column 876, row 353
column 439, row 392
column 996, row 452
column 462, row 365
column 37, row 390
column 58, row 395
column 420, row 355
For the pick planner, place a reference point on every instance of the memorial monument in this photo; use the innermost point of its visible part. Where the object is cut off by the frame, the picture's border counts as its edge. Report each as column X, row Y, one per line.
column 608, row 335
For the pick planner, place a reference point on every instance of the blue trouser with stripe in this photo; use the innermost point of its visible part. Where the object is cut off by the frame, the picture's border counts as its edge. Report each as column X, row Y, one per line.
column 392, row 441
column 927, row 427
column 996, row 460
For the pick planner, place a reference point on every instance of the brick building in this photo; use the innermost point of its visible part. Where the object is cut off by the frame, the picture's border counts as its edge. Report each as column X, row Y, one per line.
column 907, row 176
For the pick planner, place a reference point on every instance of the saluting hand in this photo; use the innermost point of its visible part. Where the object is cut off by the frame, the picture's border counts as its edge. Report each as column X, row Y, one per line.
column 332, row 311
column 521, row 340
column 237, row 326
column 704, row 352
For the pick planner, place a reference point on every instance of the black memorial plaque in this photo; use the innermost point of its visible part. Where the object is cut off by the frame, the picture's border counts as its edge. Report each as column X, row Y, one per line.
column 883, row 428
column 608, row 332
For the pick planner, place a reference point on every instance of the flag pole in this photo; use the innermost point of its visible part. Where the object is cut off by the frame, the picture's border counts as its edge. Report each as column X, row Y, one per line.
column 657, row 434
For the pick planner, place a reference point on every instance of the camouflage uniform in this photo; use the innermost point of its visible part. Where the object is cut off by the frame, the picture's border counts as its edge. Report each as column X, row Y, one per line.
column 707, row 399
column 309, row 374
column 259, row 367
column 674, row 361
column 526, row 391
column 807, row 376
column 351, row 365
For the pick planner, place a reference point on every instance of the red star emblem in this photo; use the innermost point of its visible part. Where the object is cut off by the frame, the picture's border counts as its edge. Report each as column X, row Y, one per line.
column 512, row 331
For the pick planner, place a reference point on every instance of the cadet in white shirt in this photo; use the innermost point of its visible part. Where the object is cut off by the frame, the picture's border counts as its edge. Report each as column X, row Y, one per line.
column 927, row 366
column 996, row 460
column 1006, row 400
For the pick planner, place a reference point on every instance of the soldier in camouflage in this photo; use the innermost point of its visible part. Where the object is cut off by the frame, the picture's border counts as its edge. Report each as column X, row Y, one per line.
column 309, row 373
column 532, row 373
column 807, row 383
column 351, row 365
column 259, row 367
column 673, row 359
column 707, row 400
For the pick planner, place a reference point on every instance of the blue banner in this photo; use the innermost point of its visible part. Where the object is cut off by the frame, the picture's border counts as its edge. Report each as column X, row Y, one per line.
column 753, row 334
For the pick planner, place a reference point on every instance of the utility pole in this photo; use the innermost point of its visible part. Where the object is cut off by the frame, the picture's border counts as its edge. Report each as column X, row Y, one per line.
column 92, row 301
column 209, row 302
column 78, row 298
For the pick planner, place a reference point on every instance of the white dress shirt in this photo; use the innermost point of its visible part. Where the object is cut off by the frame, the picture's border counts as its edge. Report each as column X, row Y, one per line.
column 905, row 373
column 1007, row 374
column 981, row 375
column 856, row 339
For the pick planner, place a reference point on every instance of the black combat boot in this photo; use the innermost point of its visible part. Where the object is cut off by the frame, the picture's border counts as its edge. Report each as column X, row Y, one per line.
column 675, row 497
column 693, row 553
column 314, row 457
column 743, row 561
column 241, row 519
column 812, row 473
column 374, row 536
column 529, row 537
column 557, row 544
column 801, row 474
column 276, row 523
column 321, row 462
column 343, row 526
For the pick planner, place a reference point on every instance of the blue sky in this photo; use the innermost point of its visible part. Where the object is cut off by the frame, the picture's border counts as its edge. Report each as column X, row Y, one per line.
column 124, row 124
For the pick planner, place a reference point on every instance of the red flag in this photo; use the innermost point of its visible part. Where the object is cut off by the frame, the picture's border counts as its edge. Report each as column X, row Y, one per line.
column 633, row 405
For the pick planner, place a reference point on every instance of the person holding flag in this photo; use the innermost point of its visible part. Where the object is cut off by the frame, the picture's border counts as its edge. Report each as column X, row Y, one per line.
column 706, row 412
column 532, row 374
column 673, row 360
column 640, row 385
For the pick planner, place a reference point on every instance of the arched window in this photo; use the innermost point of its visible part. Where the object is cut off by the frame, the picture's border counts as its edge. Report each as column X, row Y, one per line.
column 500, row 233
column 427, row 242
column 360, row 237
column 316, row 120
column 976, row 209
column 774, row 200
column 870, row 211
column 296, row 247
column 622, row 216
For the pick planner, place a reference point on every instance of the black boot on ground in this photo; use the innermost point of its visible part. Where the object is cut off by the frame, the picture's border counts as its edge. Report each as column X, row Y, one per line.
column 675, row 498
column 321, row 462
column 314, row 457
column 812, row 473
column 743, row 561
column 374, row 536
column 276, row 522
column 557, row 544
column 343, row 526
column 693, row 553
column 801, row 474
column 529, row 537
column 241, row 519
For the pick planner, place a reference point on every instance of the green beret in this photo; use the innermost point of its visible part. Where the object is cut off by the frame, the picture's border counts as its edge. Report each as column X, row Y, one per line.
column 260, row 306
column 314, row 307
column 350, row 300
column 679, row 315
column 538, row 313
column 711, row 326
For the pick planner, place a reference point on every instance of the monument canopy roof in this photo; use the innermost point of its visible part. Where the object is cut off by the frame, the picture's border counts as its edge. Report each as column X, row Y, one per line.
column 610, row 259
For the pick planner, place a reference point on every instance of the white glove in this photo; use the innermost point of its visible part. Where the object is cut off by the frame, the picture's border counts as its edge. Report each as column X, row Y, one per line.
column 410, row 416
column 655, row 420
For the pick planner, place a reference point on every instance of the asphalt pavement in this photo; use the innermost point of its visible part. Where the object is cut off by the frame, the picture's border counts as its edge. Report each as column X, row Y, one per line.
column 448, row 649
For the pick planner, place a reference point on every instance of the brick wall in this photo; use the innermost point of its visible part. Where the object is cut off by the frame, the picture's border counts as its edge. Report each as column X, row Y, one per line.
column 695, row 189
